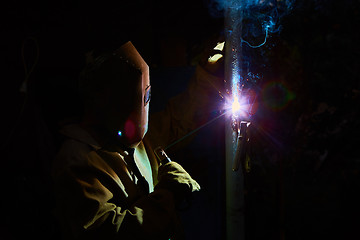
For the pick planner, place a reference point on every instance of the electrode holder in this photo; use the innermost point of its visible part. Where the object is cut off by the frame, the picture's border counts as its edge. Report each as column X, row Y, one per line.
column 241, row 127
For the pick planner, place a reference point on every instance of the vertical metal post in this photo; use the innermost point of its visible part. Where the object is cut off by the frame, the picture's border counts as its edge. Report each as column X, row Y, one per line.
column 234, row 180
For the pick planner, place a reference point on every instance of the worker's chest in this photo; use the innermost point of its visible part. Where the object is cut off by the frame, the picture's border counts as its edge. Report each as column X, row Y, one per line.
column 122, row 181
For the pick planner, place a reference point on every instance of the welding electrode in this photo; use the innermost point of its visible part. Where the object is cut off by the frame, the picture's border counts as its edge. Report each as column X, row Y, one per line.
column 161, row 155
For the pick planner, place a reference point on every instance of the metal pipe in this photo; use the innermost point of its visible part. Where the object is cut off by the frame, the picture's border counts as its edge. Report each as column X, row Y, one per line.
column 234, row 179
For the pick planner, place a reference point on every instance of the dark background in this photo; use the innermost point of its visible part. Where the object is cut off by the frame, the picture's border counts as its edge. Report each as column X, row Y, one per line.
column 304, row 182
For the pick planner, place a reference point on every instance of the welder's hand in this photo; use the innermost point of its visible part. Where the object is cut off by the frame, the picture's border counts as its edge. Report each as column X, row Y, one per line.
column 212, row 59
column 174, row 178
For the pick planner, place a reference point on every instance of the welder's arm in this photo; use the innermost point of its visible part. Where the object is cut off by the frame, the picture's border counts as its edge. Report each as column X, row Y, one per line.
column 188, row 110
column 91, row 211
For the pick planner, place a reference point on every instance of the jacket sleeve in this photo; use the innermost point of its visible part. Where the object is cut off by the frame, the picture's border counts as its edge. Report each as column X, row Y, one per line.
column 186, row 111
column 90, row 208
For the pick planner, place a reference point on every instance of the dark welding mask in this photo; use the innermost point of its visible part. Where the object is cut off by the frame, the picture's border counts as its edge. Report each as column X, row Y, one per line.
column 117, row 87
column 135, row 91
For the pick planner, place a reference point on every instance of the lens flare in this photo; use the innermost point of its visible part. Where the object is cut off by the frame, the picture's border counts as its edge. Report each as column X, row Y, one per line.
column 277, row 96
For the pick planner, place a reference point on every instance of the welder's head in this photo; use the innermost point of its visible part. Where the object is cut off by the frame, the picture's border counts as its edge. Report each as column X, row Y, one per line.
column 115, row 88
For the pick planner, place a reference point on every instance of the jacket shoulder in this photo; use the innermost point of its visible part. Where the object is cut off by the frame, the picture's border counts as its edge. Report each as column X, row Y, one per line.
column 71, row 153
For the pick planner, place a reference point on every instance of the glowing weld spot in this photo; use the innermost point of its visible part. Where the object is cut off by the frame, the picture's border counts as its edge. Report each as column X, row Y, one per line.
column 236, row 105
column 239, row 107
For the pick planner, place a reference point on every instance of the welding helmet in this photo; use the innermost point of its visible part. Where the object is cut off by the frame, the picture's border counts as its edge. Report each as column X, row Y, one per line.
column 120, row 81
column 138, row 93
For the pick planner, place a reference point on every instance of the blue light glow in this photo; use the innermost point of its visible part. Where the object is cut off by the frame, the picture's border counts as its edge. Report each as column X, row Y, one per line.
column 256, row 18
column 119, row 133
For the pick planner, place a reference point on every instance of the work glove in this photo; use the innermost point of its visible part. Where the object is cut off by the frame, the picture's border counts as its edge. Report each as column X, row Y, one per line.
column 212, row 58
column 173, row 177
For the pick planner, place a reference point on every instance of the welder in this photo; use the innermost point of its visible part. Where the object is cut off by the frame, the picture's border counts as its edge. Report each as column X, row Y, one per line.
column 108, row 183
